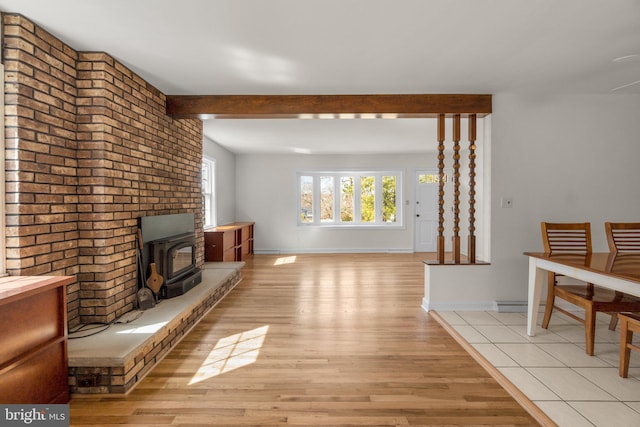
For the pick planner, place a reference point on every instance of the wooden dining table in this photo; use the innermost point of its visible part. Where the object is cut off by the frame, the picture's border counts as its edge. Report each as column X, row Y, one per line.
column 619, row 272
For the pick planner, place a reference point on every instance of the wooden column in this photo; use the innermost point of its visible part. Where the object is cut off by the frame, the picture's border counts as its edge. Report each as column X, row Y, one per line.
column 456, row 189
column 471, row 248
column 441, row 134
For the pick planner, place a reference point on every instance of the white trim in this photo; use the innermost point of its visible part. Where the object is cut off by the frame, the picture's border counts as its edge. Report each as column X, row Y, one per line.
column 512, row 306
column 213, row 217
column 334, row 251
column 459, row 306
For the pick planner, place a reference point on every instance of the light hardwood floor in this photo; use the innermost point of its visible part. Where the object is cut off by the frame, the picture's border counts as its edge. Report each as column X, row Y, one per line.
column 315, row 340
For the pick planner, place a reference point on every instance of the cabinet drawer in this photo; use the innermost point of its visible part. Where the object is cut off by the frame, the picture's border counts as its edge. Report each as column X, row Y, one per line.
column 39, row 379
column 29, row 322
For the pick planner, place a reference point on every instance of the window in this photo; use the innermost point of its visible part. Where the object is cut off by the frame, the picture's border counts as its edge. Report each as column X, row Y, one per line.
column 364, row 198
column 431, row 178
column 208, row 192
column 306, row 198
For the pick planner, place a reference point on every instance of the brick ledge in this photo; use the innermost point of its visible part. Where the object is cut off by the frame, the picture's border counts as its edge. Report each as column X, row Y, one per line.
column 114, row 361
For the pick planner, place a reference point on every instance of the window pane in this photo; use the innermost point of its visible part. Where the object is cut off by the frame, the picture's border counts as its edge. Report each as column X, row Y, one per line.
column 367, row 199
column 208, row 196
column 346, row 199
column 326, row 199
column 431, row 178
column 206, row 186
column 306, row 199
column 207, row 209
column 388, row 199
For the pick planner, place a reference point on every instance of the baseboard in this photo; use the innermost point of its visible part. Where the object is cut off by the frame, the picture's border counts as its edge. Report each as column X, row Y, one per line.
column 332, row 251
column 511, row 306
column 459, row 306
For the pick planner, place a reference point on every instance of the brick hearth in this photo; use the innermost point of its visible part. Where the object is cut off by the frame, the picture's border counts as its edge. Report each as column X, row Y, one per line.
column 116, row 359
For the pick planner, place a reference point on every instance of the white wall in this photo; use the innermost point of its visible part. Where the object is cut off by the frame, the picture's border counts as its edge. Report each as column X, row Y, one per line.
column 562, row 158
column 266, row 194
column 225, row 180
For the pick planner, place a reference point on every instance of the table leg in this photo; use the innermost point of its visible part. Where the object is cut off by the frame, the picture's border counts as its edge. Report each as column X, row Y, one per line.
column 536, row 283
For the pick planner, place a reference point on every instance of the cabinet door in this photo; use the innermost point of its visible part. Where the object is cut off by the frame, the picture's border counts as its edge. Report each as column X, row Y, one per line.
column 228, row 240
column 33, row 354
column 40, row 378
column 31, row 322
column 212, row 246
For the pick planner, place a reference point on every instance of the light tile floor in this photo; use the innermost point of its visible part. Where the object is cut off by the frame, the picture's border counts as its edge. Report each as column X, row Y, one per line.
column 552, row 369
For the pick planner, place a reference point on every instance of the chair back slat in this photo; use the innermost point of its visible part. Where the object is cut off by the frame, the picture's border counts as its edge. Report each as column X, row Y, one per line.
column 623, row 236
column 566, row 237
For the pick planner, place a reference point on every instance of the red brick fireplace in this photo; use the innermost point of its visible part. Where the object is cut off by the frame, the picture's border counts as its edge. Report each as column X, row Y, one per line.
column 89, row 150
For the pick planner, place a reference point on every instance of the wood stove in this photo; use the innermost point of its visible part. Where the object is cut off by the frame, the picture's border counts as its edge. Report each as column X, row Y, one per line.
column 170, row 243
column 175, row 259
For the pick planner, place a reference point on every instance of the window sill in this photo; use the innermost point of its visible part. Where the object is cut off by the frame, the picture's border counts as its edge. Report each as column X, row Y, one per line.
column 353, row 227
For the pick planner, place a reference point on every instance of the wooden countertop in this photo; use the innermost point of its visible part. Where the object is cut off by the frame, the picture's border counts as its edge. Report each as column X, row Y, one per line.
column 623, row 265
column 230, row 226
column 14, row 287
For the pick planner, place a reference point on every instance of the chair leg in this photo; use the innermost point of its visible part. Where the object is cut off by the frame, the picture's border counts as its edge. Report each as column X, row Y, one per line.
column 614, row 321
column 590, row 329
column 626, row 336
column 551, row 296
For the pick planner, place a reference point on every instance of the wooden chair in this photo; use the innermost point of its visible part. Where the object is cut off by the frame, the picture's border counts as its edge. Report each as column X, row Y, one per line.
column 575, row 238
column 629, row 323
column 623, row 236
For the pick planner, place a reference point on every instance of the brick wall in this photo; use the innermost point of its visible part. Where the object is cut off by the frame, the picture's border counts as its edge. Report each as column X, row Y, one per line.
column 89, row 150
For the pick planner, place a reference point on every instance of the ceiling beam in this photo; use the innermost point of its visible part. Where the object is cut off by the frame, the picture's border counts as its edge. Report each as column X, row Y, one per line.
column 312, row 106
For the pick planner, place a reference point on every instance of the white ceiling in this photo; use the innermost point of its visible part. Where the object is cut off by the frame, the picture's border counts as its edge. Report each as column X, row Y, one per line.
column 202, row 47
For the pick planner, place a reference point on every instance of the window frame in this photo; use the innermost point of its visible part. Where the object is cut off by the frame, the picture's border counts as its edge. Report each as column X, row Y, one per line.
column 209, row 220
column 356, row 175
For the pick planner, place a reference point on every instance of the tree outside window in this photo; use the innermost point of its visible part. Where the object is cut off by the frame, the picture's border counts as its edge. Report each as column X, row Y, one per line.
column 369, row 198
column 306, row 199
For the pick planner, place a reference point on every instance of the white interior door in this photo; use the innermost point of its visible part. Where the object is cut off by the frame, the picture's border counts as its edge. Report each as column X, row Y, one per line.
column 426, row 211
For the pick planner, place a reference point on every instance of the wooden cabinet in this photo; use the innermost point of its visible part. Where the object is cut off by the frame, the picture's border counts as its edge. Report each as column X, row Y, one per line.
column 231, row 242
column 33, row 339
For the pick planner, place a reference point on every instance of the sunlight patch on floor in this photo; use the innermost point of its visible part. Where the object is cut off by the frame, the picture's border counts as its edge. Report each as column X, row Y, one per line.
column 232, row 352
